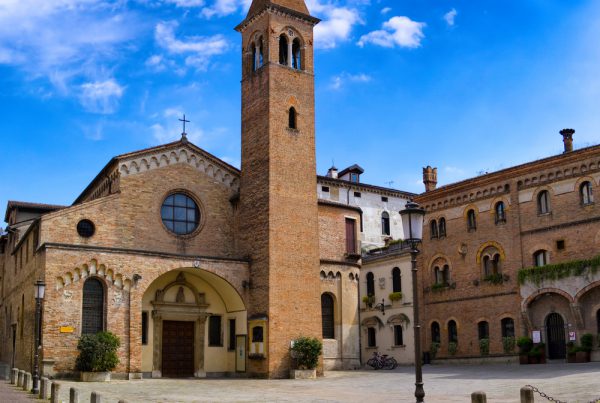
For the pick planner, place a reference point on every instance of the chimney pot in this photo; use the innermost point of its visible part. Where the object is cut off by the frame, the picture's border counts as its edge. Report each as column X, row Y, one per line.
column 429, row 178
column 568, row 139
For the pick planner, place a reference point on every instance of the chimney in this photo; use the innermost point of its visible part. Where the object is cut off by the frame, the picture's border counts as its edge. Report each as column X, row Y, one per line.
column 332, row 172
column 429, row 178
column 568, row 139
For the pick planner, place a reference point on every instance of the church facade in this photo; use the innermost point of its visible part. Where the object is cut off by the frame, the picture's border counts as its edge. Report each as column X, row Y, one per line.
column 201, row 269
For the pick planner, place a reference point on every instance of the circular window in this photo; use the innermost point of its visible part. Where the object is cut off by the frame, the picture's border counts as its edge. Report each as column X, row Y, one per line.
column 85, row 228
column 180, row 214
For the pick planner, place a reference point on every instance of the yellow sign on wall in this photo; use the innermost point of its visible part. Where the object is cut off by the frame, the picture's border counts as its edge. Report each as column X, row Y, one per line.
column 66, row 329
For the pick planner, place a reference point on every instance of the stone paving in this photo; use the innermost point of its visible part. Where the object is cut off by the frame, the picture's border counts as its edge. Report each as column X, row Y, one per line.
column 501, row 382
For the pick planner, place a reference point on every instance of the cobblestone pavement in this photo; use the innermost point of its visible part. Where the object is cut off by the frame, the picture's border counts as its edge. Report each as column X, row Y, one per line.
column 11, row 394
column 501, row 382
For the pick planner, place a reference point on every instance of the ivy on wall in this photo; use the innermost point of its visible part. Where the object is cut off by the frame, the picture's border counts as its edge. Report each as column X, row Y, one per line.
column 559, row 270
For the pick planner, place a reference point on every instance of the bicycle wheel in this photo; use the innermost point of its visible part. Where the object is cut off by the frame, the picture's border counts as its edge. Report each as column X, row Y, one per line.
column 390, row 363
column 373, row 362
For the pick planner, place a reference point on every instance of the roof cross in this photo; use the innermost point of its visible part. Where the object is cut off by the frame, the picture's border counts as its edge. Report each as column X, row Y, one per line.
column 183, row 134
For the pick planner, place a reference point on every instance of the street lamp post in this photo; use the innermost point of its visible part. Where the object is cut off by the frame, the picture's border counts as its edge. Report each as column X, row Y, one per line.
column 412, row 224
column 40, row 288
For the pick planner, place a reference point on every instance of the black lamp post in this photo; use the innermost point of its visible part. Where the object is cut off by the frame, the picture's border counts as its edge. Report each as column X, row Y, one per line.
column 412, row 224
column 40, row 288
column 381, row 306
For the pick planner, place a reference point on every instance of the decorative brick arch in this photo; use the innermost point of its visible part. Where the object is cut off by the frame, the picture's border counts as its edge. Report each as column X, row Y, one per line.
column 541, row 291
column 495, row 201
column 93, row 269
column 486, row 245
column 585, row 289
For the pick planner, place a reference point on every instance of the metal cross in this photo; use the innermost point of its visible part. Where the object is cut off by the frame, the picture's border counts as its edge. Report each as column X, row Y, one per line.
column 184, row 122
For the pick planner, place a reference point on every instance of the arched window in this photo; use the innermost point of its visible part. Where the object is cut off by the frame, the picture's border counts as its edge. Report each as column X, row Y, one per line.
column 585, row 191
column 483, row 329
column 92, row 318
column 442, row 275
column 292, row 118
column 254, row 57
column 508, row 327
column 540, row 258
column 452, row 332
column 434, row 229
column 491, row 261
column 261, row 58
column 296, row 54
column 371, row 340
column 398, row 336
column 327, row 316
column 471, row 220
column 396, row 280
column 385, row 223
column 283, row 50
column 446, row 274
column 435, row 332
column 370, row 284
column 543, row 201
column 500, row 216
column 442, row 227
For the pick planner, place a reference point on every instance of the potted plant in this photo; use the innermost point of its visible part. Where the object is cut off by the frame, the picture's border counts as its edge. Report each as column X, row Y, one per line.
column 306, row 352
column 587, row 343
column 368, row 300
column 571, row 352
column 97, row 356
column 484, row 346
column 534, row 355
column 542, row 349
column 395, row 296
column 508, row 344
column 525, row 345
column 452, row 347
column 433, row 349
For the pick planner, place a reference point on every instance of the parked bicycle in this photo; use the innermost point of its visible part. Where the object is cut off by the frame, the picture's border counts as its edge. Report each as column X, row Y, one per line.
column 382, row 361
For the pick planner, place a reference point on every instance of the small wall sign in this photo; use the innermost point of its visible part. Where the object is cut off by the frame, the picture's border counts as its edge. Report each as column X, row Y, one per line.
column 572, row 336
column 536, row 336
column 196, row 264
column 66, row 329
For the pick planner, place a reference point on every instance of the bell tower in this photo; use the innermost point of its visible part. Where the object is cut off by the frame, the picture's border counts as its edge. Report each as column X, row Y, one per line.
column 278, row 198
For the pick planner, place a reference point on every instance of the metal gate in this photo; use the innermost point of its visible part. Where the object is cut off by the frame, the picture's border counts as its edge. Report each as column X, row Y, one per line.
column 555, row 332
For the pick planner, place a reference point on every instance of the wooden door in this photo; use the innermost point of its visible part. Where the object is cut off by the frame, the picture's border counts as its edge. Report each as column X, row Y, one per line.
column 555, row 328
column 178, row 349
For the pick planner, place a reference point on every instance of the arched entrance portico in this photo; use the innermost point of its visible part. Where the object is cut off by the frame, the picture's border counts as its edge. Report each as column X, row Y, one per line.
column 191, row 318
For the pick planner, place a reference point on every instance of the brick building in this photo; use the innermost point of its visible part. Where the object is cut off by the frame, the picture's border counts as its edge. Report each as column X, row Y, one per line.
column 511, row 252
column 200, row 268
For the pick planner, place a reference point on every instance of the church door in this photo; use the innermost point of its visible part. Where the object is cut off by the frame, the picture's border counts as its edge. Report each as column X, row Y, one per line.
column 555, row 332
column 178, row 349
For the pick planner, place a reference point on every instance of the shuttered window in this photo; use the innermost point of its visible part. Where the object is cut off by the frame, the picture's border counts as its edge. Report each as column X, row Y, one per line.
column 93, row 307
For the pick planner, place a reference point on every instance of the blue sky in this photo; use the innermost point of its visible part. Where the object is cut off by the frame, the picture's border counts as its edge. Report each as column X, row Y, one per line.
column 467, row 86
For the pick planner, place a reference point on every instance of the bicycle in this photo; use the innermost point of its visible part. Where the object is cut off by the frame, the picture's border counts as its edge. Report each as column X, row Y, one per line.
column 382, row 361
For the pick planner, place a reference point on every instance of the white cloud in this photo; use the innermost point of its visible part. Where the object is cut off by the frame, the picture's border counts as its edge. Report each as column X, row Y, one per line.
column 337, row 82
column 450, row 16
column 336, row 25
column 386, row 10
column 65, row 42
column 221, row 8
column 101, row 97
column 398, row 31
column 198, row 50
column 186, row 3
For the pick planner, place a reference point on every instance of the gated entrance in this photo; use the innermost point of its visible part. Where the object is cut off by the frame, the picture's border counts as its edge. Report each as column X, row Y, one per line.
column 555, row 335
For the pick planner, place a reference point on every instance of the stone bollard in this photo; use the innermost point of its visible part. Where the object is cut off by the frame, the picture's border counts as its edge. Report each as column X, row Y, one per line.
column 20, row 378
column 73, row 395
column 14, row 373
column 44, row 388
column 526, row 394
column 122, row 401
column 55, row 392
column 27, row 383
column 96, row 398
column 478, row 397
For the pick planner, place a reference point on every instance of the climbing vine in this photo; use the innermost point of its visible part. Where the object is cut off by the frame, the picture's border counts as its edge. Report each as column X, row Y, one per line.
column 559, row 270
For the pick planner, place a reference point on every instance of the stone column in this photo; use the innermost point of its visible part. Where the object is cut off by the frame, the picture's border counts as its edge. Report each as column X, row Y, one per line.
column 156, row 347
column 199, row 371
column 54, row 393
column 44, row 388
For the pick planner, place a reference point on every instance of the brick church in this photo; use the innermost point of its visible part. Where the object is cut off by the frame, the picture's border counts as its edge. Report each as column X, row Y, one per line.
column 200, row 268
